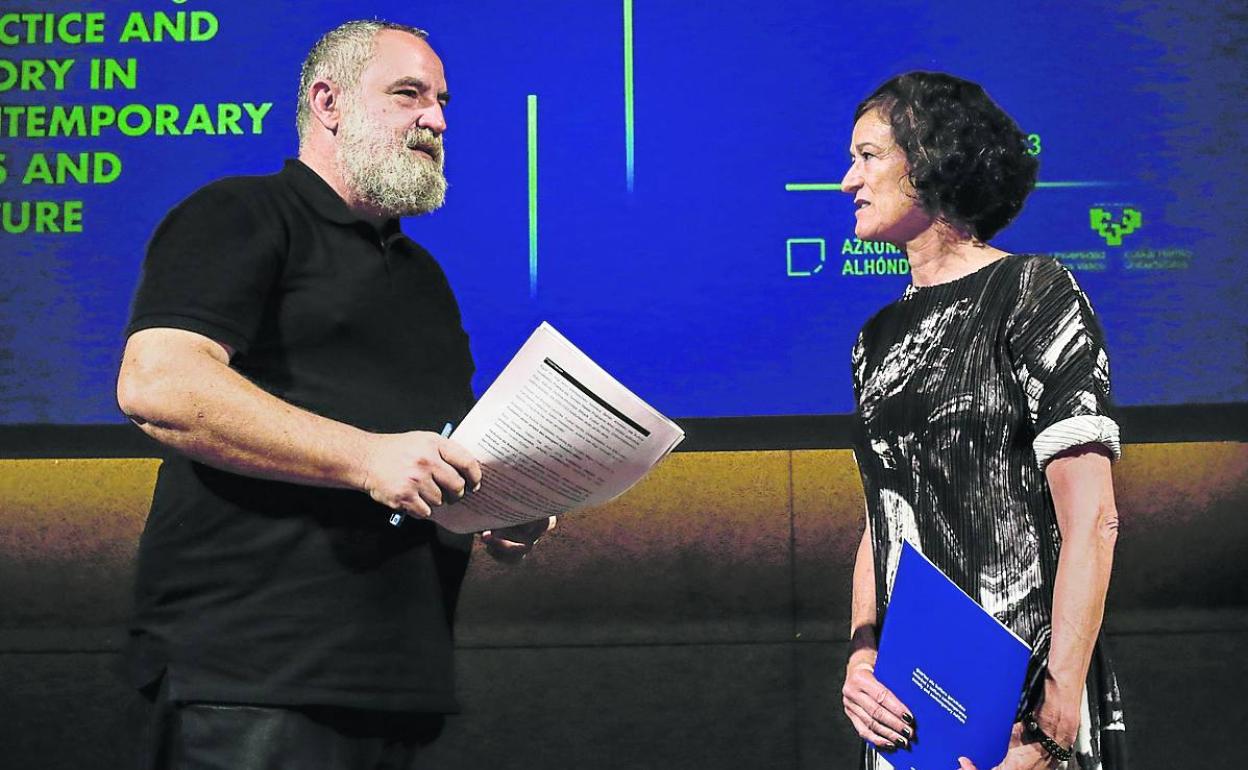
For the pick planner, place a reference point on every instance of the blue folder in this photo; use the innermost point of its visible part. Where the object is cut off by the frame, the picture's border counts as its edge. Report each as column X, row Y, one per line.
column 958, row 669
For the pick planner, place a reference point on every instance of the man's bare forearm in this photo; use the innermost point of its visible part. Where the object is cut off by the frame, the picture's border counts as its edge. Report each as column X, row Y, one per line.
column 178, row 388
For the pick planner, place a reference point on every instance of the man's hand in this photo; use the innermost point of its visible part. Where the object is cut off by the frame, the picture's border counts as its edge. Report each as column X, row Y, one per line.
column 1020, row 756
column 511, row 544
column 417, row 471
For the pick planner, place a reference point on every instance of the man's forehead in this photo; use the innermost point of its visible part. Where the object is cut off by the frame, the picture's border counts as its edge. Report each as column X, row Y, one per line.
column 400, row 54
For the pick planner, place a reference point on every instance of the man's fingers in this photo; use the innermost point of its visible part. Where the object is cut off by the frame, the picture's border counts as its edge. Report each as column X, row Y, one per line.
column 526, row 533
column 411, row 471
column 508, row 545
column 452, row 485
column 415, row 506
column 502, row 539
column 428, row 491
column 511, row 544
column 459, row 458
column 506, row 551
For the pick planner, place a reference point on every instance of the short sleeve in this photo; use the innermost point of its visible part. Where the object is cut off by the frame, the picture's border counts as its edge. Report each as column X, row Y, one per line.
column 857, row 362
column 1058, row 355
column 209, row 268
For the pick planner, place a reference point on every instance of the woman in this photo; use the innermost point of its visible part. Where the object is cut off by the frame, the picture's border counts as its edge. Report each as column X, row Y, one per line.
column 983, row 435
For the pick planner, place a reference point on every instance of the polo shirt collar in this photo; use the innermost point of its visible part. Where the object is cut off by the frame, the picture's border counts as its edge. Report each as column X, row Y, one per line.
column 322, row 198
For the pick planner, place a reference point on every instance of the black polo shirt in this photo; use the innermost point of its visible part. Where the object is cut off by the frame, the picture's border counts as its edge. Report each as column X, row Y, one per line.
column 257, row 591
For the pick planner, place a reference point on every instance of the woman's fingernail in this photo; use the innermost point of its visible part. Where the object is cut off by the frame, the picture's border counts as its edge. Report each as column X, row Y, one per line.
column 909, row 719
column 906, row 732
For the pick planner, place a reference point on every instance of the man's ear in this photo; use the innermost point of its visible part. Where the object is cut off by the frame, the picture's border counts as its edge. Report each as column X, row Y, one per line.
column 324, row 98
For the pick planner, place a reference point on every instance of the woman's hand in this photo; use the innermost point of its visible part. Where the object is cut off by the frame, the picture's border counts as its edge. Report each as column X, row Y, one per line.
column 876, row 713
column 1020, row 756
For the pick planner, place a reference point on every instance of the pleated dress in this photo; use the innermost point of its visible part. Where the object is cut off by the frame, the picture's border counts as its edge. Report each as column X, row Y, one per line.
column 965, row 390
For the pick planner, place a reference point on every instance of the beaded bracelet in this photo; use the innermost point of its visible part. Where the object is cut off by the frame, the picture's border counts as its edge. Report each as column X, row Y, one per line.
column 1053, row 747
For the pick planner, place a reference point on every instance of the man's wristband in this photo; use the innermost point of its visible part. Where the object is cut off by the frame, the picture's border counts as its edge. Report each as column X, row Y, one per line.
column 1032, row 728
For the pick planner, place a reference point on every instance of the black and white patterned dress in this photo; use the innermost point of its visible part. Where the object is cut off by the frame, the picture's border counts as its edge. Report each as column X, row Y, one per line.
column 965, row 391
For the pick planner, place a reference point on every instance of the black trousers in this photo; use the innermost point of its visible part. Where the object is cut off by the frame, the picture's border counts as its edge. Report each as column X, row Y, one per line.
column 169, row 735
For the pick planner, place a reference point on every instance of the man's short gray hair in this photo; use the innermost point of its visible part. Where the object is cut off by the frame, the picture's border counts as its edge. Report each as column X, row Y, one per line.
column 340, row 57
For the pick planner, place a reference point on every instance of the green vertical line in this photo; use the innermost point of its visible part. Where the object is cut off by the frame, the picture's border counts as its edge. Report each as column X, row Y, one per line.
column 628, row 93
column 532, row 100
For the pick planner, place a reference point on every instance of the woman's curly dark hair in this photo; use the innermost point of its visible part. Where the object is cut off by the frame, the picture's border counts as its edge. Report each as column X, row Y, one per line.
column 968, row 159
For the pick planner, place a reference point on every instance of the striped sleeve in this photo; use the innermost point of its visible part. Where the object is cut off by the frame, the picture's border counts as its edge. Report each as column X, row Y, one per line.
column 1058, row 354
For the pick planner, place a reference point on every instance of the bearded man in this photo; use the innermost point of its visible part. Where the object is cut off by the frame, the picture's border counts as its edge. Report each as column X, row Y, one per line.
column 301, row 355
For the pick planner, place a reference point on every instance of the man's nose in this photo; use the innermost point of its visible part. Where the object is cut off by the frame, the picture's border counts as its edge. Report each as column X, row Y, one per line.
column 433, row 119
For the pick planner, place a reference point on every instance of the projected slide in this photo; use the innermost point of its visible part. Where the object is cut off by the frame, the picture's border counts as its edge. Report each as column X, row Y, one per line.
column 657, row 180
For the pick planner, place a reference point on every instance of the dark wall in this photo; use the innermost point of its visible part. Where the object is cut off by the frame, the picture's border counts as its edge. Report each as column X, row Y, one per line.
column 696, row 622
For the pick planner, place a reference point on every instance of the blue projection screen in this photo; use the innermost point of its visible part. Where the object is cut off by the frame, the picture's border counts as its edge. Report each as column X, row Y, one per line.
column 656, row 179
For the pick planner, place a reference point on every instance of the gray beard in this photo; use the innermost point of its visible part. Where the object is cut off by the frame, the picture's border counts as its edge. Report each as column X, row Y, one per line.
column 388, row 175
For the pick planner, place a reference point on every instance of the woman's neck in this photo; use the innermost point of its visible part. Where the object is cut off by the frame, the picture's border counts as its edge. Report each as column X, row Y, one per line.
column 941, row 254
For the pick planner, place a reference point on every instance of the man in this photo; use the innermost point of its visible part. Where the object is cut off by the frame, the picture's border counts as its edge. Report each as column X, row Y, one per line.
column 301, row 355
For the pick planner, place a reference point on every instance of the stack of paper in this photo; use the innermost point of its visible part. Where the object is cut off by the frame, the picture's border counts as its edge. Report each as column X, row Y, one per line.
column 554, row 433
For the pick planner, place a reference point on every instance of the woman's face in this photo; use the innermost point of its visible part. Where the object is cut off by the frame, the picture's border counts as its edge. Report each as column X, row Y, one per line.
column 885, row 207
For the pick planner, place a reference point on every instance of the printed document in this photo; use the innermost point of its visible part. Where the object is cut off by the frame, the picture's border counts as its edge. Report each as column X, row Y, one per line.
column 554, row 433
